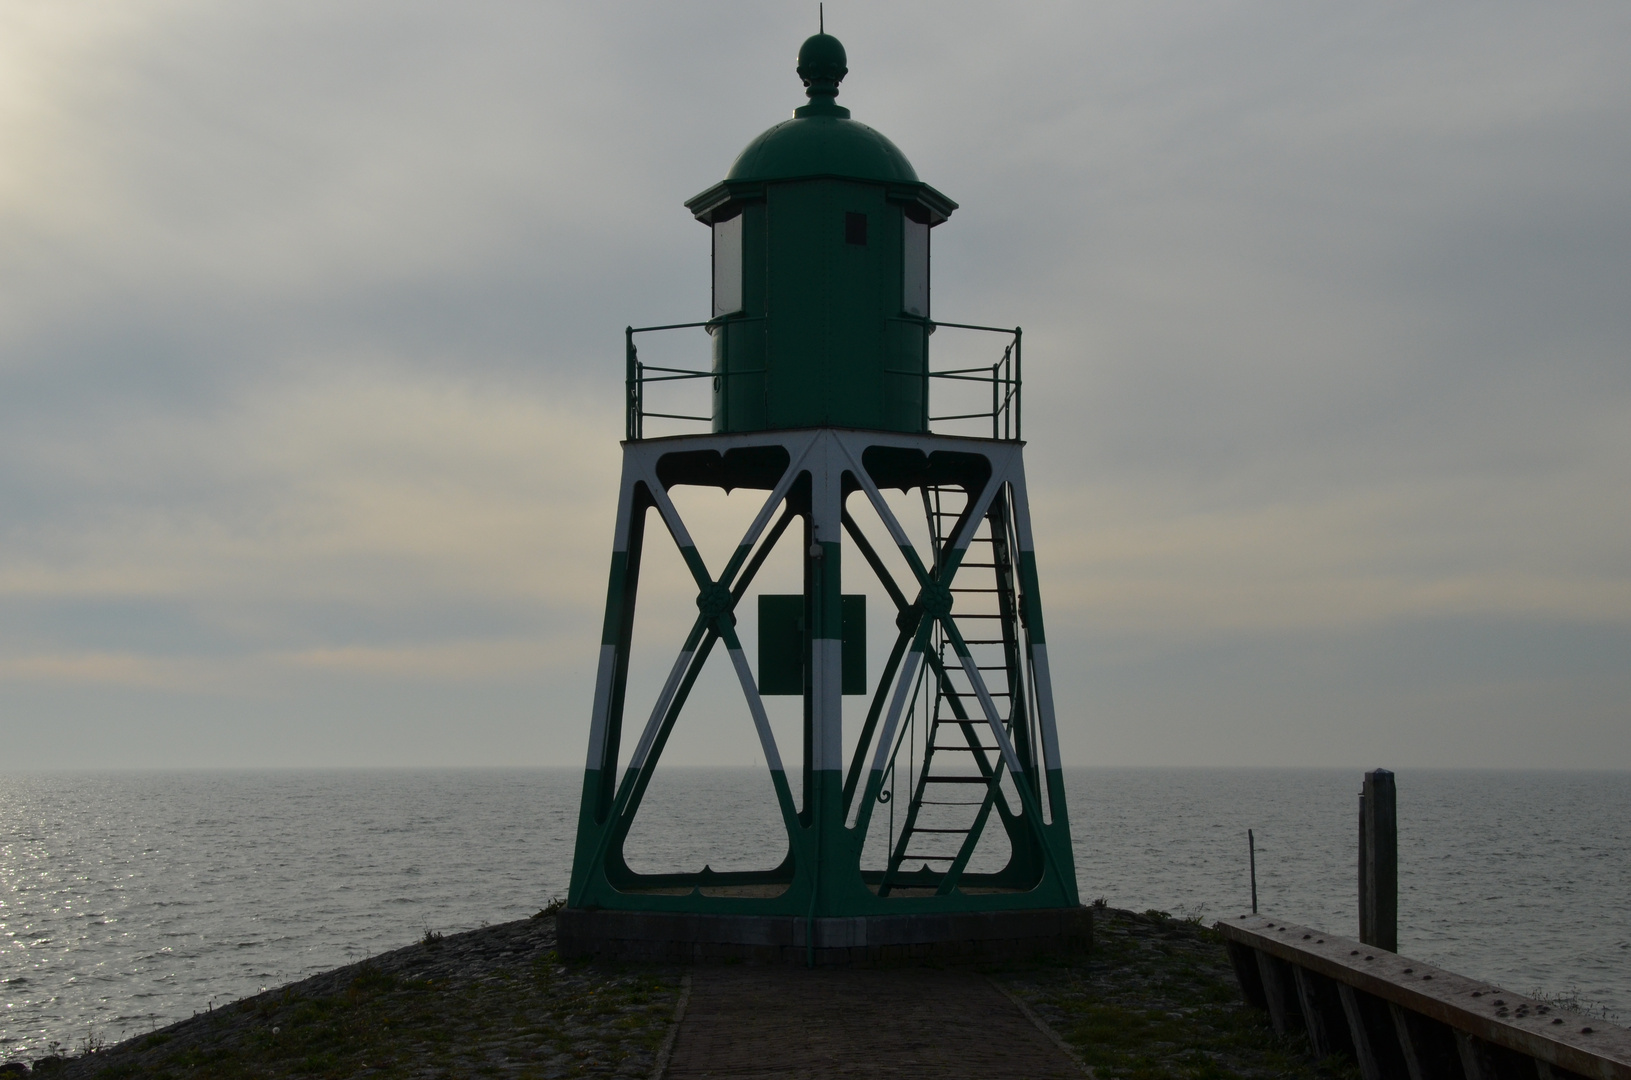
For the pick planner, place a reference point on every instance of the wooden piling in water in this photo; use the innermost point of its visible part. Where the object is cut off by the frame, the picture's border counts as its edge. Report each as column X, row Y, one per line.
column 1379, row 861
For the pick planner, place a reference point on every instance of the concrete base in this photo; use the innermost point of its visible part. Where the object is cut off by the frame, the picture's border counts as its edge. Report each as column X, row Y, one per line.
column 865, row 940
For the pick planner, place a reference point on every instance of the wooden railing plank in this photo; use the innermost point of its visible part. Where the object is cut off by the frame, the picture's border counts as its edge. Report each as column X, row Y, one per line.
column 1244, row 960
column 1376, row 1045
column 1482, row 1060
column 1428, row 1046
column 1281, row 993
column 1322, row 1010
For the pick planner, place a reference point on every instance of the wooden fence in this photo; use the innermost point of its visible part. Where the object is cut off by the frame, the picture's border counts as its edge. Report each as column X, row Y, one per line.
column 1401, row 1019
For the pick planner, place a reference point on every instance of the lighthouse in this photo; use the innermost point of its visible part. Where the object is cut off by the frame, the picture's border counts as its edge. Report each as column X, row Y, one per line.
column 938, row 820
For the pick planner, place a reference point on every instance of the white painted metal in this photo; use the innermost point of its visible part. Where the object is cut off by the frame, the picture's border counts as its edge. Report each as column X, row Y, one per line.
column 826, row 454
column 756, row 706
column 897, row 706
column 603, row 704
column 1044, row 707
column 658, row 711
column 989, row 707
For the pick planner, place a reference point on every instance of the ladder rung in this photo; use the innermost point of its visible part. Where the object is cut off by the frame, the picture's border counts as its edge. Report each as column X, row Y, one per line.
column 948, row 802
column 962, row 749
column 918, row 829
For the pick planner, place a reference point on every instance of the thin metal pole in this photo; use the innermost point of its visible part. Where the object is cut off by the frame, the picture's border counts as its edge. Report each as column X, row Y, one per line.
column 1007, row 377
column 1251, row 848
column 925, row 378
column 994, row 369
column 1007, row 389
column 630, row 409
column 911, row 749
column 1019, row 382
column 891, row 804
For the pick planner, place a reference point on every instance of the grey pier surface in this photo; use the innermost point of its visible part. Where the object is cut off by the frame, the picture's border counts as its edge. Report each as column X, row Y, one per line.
column 858, row 941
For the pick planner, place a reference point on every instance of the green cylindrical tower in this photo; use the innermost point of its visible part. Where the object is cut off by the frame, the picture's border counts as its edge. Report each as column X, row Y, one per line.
column 821, row 271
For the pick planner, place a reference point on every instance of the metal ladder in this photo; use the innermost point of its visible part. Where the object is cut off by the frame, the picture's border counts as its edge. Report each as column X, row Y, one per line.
column 955, row 790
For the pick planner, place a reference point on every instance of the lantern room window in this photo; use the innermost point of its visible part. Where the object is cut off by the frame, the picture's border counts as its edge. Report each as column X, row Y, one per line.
column 915, row 280
column 855, row 228
column 728, row 266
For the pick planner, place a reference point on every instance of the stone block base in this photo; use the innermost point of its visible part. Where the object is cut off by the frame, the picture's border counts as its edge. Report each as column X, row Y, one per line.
column 861, row 941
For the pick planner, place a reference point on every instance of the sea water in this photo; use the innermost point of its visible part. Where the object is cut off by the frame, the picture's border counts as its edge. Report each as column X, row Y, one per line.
column 130, row 900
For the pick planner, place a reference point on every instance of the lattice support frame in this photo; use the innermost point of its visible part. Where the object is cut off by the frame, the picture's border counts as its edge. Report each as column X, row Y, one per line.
column 809, row 474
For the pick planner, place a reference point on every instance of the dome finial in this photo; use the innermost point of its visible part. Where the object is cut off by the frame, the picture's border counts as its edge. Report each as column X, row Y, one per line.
column 822, row 66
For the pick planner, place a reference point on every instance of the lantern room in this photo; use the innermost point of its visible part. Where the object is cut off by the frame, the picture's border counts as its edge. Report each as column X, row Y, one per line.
column 821, row 271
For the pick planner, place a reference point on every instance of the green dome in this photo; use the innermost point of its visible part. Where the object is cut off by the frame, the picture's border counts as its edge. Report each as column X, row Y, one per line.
column 822, row 146
column 821, row 139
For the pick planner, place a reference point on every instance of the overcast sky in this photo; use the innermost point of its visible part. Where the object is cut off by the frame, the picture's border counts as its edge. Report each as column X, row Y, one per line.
column 311, row 361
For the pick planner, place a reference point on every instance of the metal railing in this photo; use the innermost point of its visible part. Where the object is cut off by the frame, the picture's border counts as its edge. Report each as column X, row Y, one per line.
column 636, row 377
column 1004, row 377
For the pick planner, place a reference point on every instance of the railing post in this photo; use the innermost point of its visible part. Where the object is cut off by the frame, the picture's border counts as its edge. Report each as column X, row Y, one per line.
column 631, row 406
column 927, row 325
column 1007, row 393
column 995, row 368
column 1019, row 384
column 1379, row 861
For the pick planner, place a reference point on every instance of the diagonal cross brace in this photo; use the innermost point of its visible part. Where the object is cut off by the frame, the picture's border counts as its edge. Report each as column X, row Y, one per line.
column 929, row 585
column 716, row 601
column 934, row 594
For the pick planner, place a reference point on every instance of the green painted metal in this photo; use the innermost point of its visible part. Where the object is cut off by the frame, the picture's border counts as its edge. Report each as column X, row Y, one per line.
column 1003, row 378
column 821, row 873
column 820, row 398
column 827, row 321
column 853, row 662
column 784, row 648
column 781, row 644
column 820, row 139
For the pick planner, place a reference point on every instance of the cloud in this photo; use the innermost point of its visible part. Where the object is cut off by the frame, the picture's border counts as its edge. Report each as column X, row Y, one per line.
column 1355, row 559
column 371, row 491
column 119, row 669
column 465, row 660
column 310, row 350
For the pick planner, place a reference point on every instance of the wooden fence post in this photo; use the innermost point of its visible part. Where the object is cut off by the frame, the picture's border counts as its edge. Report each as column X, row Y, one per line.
column 1379, row 862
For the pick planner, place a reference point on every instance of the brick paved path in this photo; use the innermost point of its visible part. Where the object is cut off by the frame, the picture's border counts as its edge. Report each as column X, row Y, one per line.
column 794, row 1022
